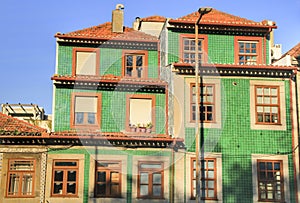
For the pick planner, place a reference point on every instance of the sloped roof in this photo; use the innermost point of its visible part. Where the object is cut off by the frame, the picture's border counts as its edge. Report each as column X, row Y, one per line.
column 14, row 126
column 155, row 18
column 294, row 52
column 216, row 17
column 104, row 32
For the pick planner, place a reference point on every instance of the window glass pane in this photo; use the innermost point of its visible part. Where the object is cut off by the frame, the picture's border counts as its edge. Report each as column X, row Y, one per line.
column 58, row 175
column 156, row 178
column 91, row 118
column 101, row 189
column 101, row 176
column 150, row 165
column 67, row 163
column 27, row 184
column 21, row 165
column 79, row 117
column 71, row 188
column 144, row 190
column 211, row 164
column 274, row 100
column 129, row 60
column 71, row 175
column 144, row 178
column 210, row 184
column 211, row 193
column 139, row 60
column 156, row 190
column 114, row 190
column 13, row 184
column 114, row 177
column 267, row 100
column 57, row 189
column 210, row 174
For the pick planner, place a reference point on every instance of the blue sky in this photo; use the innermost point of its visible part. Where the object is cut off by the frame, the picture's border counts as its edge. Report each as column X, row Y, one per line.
column 27, row 54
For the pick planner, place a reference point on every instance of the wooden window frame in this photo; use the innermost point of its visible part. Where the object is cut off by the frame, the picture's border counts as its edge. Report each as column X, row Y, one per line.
column 204, row 103
column 139, row 96
column 150, row 180
column 108, row 170
column 204, row 41
column 72, row 110
column 135, row 53
column 261, row 54
column 273, row 182
column 267, row 105
column 65, row 169
column 84, row 49
column 20, row 173
column 193, row 170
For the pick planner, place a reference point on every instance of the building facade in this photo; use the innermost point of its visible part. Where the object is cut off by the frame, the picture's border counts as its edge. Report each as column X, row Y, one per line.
column 124, row 117
column 248, row 135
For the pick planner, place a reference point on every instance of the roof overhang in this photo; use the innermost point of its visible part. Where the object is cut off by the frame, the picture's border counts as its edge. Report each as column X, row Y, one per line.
column 236, row 70
column 110, row 83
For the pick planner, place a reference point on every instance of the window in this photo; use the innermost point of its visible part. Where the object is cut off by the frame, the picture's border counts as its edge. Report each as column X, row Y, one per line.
column 135, row 64
column 206, row 102
column 108, row 179
column 140, row 110
column 85, row 110
column 150, row 180
column 85, row 61
column 267, row 104
column 189, row 48
column 270, row 181
column 208, row 185
column 65, row 177
column 21, row 173
column 248, row 50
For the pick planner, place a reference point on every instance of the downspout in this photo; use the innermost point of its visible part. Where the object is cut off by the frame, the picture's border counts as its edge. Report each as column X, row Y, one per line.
column 294, row 139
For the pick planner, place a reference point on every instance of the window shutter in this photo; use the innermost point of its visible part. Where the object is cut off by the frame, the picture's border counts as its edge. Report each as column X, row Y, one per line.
column 86, row 104
column 140, row 111
column 85, row 63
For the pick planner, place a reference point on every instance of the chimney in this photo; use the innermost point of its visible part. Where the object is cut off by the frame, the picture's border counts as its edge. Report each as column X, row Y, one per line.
column 118, row 18
column 136, row 23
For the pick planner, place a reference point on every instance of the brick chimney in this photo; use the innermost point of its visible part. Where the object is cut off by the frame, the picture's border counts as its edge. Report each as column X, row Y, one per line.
column 118, row 19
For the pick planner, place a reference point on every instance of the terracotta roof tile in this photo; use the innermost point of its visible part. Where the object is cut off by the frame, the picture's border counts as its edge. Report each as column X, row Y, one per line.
column 155, row 18
column 216, row 17
column 104, row 32
column 294, row 52
column 14, row 126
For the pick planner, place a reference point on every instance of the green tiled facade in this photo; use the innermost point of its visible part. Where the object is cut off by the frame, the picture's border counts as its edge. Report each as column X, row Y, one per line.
column 113, row 116
column 235, row 140
column 110, row 61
